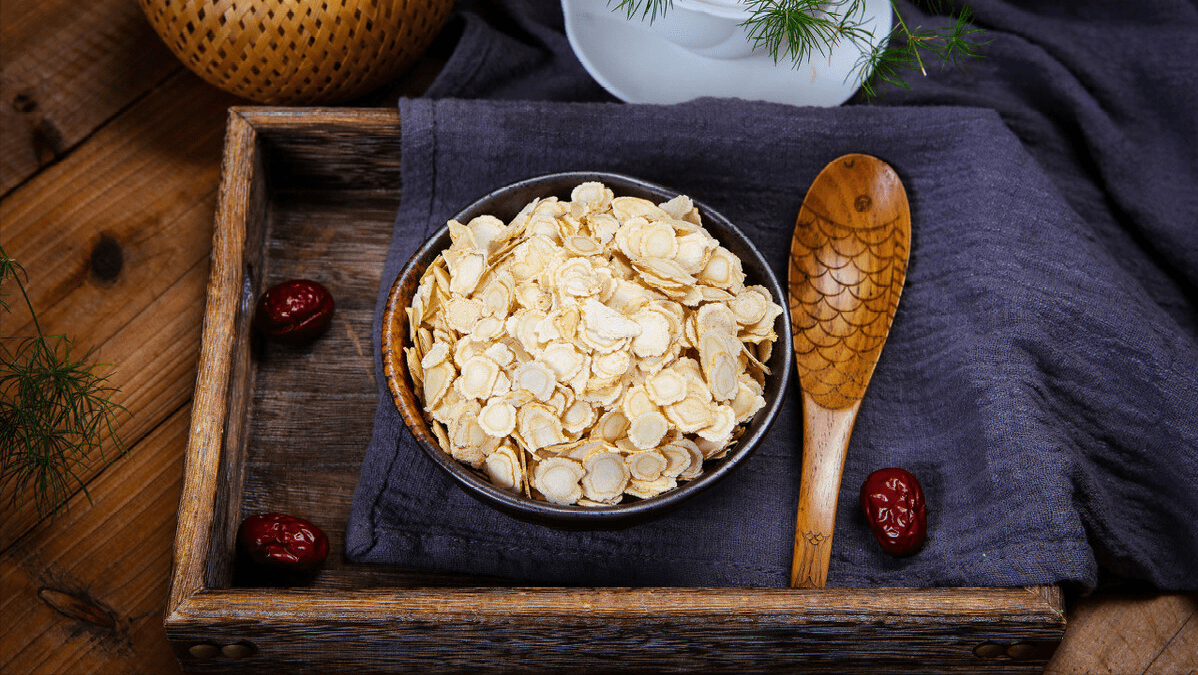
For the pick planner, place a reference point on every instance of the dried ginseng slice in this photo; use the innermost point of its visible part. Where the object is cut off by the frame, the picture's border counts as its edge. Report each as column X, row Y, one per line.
column 646, row 489
column 658, row 241
column 678, row 208
column 647, row 430
column 637, row 402
column 694, row 250
column 578, row 417
column 606, row 476
column 536, row 378
column 503, row 468
column 719, row 355
column 564, row 359
column 748, row 399
column 478, row 377
column 666, row 387
column 690, row 414
column 749, row 306
column 723, row 270
column 558, row 479
column 589, row 197
column 461, row 313
column 438, row 353
column 655, row 333
column 498, row 418
column 539, row 426
column 582, row 245
column 647, row 465
column 466, row 269
column 627, row 208
column 696, row 465
column 437, row 381
column 412, row 358
column 678, row 459
column 720, row 429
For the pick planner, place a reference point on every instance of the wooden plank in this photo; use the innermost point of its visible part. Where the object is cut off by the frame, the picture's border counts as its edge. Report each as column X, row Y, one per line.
column 145, row 188
column 1154, row 634
column 329, row 148
column 1180, row 651
column 316, row 404
column 66, row 68
column 85, row 594
column 683, row 629
column 222, row 373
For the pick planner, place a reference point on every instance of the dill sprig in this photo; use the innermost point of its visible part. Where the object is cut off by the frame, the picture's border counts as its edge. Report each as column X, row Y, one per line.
column 795, row 30
column 952, row 46
column 54, row 411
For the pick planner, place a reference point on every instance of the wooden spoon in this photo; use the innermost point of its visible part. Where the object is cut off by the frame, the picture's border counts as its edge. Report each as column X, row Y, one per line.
column 848, row 261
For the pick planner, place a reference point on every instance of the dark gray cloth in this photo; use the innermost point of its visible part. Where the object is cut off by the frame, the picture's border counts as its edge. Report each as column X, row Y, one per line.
column 1041, row 377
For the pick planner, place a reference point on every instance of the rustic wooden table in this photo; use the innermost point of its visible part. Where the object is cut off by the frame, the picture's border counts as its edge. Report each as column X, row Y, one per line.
column 109, row 166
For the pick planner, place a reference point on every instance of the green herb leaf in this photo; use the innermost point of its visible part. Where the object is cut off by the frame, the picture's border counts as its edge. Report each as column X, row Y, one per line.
column 54, row 411
column 795, row 30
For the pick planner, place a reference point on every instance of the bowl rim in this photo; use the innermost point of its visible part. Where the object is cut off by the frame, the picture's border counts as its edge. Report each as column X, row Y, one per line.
column 394, row 337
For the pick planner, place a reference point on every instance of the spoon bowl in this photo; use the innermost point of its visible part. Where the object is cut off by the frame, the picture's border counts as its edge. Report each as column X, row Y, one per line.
column 848, row 262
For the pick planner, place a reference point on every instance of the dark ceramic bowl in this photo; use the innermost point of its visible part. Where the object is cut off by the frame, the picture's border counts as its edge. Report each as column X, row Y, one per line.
column 504, row 204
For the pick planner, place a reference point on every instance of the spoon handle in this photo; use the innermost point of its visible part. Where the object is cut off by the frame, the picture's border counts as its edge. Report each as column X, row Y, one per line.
column 825, row 444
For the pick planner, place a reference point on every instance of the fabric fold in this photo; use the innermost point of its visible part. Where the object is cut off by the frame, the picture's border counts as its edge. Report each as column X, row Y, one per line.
column 1041, row 377
column 1011, row 342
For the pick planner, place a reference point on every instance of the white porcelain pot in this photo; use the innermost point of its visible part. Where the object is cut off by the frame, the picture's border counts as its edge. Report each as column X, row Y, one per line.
column 698, row 48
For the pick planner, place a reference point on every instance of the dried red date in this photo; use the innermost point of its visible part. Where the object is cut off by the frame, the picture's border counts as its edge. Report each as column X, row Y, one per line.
column 294, row 312
column 892, row 500
column 282, row 541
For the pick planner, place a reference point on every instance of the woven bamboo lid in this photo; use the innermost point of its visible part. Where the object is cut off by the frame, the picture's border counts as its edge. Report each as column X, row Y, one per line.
column 297, row 52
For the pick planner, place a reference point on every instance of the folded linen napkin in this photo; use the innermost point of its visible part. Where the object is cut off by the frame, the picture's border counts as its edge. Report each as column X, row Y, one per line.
column 1041, row 374
column 1011, row 311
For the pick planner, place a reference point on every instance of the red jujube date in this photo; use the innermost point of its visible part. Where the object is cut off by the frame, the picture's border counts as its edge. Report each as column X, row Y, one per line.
column 295, row 311
column 282, row 541
column 893, row 502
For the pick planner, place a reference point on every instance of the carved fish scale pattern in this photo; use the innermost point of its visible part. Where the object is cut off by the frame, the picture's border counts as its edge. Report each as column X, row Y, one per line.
column 845, row 282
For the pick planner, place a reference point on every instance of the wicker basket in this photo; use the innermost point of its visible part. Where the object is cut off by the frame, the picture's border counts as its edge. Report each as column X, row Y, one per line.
column 297, row 52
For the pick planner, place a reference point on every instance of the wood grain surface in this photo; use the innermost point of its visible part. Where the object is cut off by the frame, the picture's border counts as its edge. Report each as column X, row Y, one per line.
column 848, row 263
column 104, row 138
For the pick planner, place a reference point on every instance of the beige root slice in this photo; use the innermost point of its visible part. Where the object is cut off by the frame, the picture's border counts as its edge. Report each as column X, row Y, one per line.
column 558, row 479
column 497, row 418
column 719, row 356
column 678, row 459
column 539, row 426
column 536, row 378
column 666, row 387
column 647, row 430
column 437, row 381
column 606, row 476
column 723, row 269
column 434, row 356
column 503, row 468
column 637, row 402
column 477, row 377
column 611, row 426
column 647, row 465
column 646, row 489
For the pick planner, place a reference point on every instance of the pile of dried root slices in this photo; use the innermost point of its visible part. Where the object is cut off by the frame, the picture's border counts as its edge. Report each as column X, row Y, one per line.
column 589, row 349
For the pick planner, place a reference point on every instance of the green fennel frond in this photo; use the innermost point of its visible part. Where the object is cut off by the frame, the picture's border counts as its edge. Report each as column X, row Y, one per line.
column 909, row 48
column 796, row 30
column 54, row 411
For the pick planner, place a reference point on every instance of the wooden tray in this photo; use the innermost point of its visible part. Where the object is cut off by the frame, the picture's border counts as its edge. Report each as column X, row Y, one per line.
column 313, row 193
